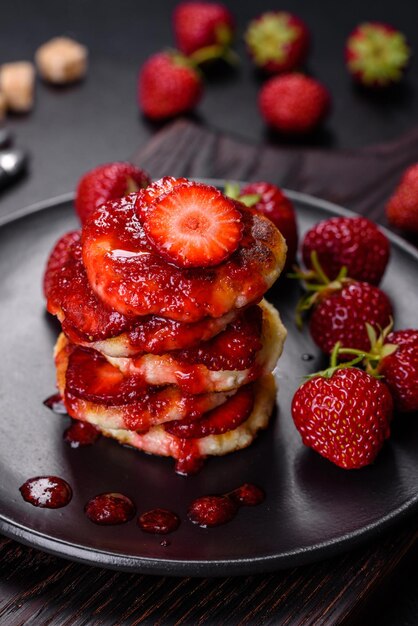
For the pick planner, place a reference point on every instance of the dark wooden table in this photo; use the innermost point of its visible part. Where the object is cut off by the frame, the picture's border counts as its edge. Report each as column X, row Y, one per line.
column 74, row 129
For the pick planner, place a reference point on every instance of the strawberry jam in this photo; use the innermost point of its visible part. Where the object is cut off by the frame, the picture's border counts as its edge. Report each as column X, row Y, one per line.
column 91, row 377
column 218, row 421
column 109, row 509
column 47, row 492
column 81, row 434
column 216, row 510
column 158, row 335
column 84, row 316
column 159, row 521
column 131, row 277
column 235, row 348
column 123, row 401
column 189, row 460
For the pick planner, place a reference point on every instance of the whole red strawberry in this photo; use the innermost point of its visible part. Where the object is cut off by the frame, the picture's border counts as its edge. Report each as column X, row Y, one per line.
column 400, row 369
column 168, row 85
column 272, row 202
column 107, row 182
column 402, row 208
column 344, row 415
column 353, row 242
column 342, row 314
column 293, row 103
column 199, row 26
column 277, row 41
column 59, row 255
column 376, row 54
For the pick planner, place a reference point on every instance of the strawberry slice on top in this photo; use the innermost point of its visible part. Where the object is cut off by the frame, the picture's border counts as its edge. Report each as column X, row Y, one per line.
column 194, row 225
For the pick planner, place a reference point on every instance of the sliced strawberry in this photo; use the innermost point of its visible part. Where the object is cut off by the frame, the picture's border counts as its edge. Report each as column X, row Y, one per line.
column 59, row 255
column 220, row 420
column 154, row 191
column 194, row 225
column 90, row 377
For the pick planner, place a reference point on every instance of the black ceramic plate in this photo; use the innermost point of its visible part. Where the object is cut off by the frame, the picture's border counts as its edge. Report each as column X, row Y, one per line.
column 312, row 508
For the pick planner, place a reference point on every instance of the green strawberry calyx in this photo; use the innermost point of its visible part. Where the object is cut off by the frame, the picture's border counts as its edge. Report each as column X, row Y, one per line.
column 317, row 286
column 334, row 365
column 379, row 349
column 232, row 190
column 219, row 50
column 378, row 55
column 270, row 36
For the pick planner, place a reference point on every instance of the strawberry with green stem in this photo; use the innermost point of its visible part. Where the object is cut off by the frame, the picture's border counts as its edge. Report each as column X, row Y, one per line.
column 270, row 200
column 343, row 413
column 277, row 41
column 376, row 54
column 341, row 308
column 394, row 357
column 204, row 31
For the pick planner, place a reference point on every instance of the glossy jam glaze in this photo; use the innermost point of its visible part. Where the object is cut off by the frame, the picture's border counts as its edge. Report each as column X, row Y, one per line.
column 224, row 362
column 131, row 277
column 110, row 509
column 159, row 521
column 47, row 492
column 233, row 349
column 91, row 377
column 218, row 421
column 86, row 319
column 189, row 459
column 158, row 335
column 93, row 388
column 81, row 434
column 210, row 511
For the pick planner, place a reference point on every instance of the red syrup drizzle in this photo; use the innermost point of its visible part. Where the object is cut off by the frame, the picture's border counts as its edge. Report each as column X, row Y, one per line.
column 47, row 492
column 190, row 460
column 56, row 404
column 81, row 434
column 109, row 509
column 209, row 511
column 159, row 522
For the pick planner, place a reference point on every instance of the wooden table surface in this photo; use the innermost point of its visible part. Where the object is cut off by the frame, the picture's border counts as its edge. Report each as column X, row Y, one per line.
column 37, row 588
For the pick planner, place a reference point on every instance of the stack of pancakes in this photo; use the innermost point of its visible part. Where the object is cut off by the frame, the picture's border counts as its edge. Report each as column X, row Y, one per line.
column 172, row 361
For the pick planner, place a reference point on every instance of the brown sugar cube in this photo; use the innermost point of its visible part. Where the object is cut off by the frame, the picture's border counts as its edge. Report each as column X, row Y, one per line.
column 17, row 83
column 3, row 106
column 61, row 60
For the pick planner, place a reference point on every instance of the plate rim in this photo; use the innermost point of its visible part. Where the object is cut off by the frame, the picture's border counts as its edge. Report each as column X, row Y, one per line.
column 219, row 567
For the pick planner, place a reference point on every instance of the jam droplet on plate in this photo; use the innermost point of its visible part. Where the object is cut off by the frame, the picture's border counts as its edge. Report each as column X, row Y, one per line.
column 81, row 434
column 210, row 511
column 159, row 521
column 47, row 492
column 248, row 495
column 56, row 404
column 108, row 509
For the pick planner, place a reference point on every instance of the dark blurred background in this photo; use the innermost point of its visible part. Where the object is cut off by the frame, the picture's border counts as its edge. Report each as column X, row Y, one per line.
column 74, row 128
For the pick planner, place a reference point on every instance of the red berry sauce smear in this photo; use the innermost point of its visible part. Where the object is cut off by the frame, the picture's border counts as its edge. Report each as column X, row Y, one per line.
column 81, row 434
column 56, row 404
column 47, row 492
column 159, row 521
column 209, row 511
column 110, row 509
